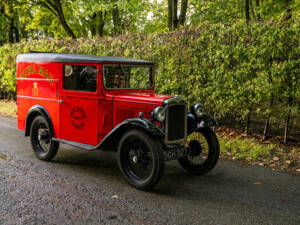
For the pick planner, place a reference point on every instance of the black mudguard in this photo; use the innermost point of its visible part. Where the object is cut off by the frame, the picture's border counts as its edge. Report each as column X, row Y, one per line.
column 112, row 138
column 37, row 110
column 194, row 123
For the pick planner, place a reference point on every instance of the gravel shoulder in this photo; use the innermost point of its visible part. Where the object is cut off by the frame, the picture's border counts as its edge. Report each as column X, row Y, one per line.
column 80, row 187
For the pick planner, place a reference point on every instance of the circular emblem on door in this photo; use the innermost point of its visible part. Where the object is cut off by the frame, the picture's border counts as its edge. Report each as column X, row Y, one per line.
column 78, row 117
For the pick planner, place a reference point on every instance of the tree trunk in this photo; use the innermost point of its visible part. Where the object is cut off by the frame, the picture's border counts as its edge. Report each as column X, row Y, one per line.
column 286, row 128
column 17, row 34
column 247, row 11
column 287, row 122
column 252, row 9
column 182, row 14
column 248, row 122
column 10, row 17
column 170, row 10
column 100, row 28
column 257, row 5
column 63, row 20
column 174, row 14
column 11, row 31
column 267, row 124
column 116, row 20
column 92, row 24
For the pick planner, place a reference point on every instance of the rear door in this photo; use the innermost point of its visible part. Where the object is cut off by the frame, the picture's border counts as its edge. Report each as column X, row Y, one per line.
column 79, row 103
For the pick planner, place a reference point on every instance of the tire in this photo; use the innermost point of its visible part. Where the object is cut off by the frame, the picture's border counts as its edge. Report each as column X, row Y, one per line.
column 211, row 158
column 41, row 139
column 136, row 153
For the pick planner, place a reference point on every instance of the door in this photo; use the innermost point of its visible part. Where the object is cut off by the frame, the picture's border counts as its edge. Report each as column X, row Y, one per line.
column 79, row 103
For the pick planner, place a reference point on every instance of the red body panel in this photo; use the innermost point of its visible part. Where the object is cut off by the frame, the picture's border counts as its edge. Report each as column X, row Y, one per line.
column 38, row 84
column 85, row 117
column 128, row 105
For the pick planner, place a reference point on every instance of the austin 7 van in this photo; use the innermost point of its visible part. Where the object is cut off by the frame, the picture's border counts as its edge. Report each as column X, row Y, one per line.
column 110, row 104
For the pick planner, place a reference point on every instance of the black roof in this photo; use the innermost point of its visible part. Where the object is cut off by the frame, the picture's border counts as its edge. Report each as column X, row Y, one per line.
column 61, row 57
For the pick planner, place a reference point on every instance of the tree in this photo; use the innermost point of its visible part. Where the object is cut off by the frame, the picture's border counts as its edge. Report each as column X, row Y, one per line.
column 173, row 20
column 182, row 15
column 174, row 14
column 10, row 17
column 247, row 10
column 55, row 7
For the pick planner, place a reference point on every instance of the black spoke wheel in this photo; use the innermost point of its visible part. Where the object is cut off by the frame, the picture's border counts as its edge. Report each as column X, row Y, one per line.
column 140, row 159
column 41, row 139
column 204, row 152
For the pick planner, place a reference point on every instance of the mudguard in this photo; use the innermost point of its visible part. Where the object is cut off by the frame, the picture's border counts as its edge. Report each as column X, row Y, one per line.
column 37, row 110
column 194, row 123
column 149, row 127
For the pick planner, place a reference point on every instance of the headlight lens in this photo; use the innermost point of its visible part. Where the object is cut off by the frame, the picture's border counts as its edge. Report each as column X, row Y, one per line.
column 197, row 110
column 159, row 114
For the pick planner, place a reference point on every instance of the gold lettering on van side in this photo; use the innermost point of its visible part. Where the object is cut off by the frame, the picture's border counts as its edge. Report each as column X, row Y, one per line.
column 33, row 69
column 41, row 70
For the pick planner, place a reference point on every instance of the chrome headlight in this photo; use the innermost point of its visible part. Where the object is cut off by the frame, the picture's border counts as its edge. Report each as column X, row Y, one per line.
column 158, row 114
column 197, row 109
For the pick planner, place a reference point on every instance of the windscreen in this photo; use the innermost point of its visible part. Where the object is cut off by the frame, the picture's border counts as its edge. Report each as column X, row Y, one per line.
column 127, row 77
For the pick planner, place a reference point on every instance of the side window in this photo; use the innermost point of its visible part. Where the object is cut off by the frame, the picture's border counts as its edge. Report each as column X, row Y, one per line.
column 80, row 78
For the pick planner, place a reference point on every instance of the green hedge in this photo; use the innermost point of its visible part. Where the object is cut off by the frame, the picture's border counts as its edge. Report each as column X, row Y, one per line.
column 234, row 69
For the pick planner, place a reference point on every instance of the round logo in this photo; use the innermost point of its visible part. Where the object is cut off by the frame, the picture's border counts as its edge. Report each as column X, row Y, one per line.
column 78, row 117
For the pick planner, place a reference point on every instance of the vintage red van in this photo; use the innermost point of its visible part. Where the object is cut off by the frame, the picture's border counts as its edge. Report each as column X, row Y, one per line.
column 109, row 103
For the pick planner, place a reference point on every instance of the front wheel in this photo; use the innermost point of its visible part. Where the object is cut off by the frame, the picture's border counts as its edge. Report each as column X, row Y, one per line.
column 204, row 152
column 140, row 159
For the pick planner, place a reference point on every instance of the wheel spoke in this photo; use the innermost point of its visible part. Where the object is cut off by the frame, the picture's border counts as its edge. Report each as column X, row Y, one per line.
column 139, row 152
column 199, row 159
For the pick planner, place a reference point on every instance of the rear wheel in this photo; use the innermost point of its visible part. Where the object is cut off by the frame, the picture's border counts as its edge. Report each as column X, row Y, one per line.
column 140, row 159
column 204, row 152
column 41, row 139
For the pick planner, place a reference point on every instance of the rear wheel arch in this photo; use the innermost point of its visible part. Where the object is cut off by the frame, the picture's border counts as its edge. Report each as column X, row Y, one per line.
column 34, row 111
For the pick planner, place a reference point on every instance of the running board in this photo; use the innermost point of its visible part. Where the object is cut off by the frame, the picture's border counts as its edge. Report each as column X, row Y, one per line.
column 76, row 144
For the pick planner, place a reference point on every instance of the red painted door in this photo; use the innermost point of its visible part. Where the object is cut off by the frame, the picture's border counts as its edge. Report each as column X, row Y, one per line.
column 79, row 103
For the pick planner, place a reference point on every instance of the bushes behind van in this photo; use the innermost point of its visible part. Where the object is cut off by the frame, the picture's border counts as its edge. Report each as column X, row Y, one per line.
column 236, row 71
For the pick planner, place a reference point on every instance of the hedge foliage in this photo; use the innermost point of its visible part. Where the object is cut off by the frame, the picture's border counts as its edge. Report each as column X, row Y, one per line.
column 232, row 69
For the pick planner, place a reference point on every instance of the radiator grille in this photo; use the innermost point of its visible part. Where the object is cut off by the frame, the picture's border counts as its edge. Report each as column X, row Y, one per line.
column 176, row 123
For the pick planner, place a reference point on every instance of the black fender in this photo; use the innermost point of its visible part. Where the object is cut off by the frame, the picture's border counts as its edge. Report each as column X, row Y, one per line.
column 111, row 140
column 37, row 110
column 204, row 121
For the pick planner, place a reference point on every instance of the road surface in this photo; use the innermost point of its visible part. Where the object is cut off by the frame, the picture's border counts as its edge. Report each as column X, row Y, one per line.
column 80, row 187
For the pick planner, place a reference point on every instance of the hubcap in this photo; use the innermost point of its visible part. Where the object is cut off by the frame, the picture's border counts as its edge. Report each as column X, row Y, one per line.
column 41, row 136
column 138, row 159
column 199, row 150
column 135, row 159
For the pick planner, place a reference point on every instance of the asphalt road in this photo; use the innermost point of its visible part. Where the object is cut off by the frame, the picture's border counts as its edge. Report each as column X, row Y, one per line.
column 80, row 187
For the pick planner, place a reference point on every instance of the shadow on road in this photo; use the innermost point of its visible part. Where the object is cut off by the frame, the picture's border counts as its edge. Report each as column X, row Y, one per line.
column 175, row 179
column 228, row 182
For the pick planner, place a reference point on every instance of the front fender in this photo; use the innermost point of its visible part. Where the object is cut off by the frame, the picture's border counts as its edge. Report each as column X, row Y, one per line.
column 194, row 123
column 113, row 137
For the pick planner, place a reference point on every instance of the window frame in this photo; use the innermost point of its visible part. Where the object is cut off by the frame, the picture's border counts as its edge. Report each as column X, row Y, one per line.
column 84, row 92
column 151, row 66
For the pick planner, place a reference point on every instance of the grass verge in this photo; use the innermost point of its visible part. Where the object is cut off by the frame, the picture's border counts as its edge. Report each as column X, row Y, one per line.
column 8, row 108
column 251, row 151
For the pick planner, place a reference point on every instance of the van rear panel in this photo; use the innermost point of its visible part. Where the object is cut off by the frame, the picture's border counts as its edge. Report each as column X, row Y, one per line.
column 38, row 84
